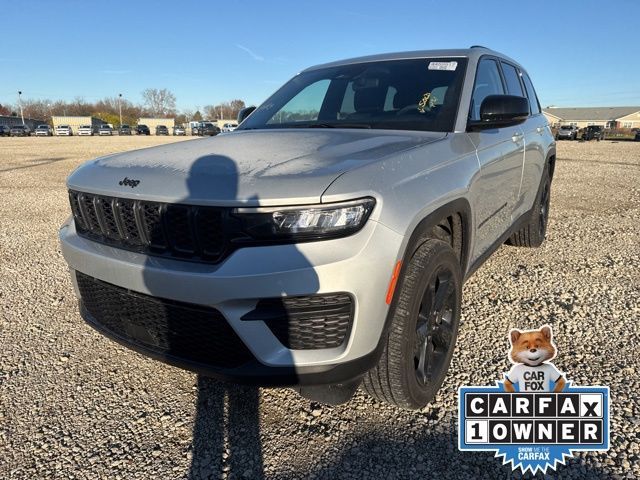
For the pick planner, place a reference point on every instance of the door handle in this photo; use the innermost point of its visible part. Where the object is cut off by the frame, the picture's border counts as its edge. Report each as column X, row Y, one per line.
column 517, row 137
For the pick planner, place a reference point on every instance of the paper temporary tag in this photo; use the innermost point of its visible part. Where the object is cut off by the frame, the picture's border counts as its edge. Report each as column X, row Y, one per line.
column 443, row 65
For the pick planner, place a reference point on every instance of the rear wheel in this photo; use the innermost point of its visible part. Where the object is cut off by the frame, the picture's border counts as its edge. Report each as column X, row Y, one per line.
column 424, row 327
column 535, row 231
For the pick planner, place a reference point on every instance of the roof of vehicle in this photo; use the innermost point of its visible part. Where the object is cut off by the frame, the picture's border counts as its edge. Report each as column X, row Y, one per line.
column 591, row 113
column 472, row 53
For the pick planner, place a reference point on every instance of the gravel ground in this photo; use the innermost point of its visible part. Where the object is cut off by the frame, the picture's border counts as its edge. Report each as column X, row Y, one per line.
column 76, row 405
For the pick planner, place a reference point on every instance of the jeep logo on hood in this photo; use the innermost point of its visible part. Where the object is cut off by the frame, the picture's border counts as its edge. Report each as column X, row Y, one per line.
column 129, row 182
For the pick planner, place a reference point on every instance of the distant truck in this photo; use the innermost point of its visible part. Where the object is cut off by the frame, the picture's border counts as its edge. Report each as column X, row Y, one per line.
column 593, row 132
column 567, row 132
column 205, row 129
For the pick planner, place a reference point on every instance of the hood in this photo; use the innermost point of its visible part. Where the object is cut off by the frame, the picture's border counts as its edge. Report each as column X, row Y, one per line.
column 262, row 167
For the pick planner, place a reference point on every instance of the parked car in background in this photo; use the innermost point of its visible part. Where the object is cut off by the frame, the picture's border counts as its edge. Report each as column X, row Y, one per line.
column 637, row 137
column 143, row 130
column 20, row 131
column 229, row 127
column 324, row 253
column 43, row 131
column 86, row 130
column 105, row 130
column 179, row 130
column 124, row 130
column 64, row 131
column 206, row 129
column 593, row 132
column 567, row 132
column 162, row 130
column 5, row 131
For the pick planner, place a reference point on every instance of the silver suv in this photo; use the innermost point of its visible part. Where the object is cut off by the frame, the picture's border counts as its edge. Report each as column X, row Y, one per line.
column 324, row 244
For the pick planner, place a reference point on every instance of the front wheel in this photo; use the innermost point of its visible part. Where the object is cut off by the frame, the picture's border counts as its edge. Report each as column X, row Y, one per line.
column 424, row 326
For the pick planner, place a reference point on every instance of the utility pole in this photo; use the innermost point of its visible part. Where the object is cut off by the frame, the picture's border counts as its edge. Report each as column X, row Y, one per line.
column 20, row 103
column 120, row 107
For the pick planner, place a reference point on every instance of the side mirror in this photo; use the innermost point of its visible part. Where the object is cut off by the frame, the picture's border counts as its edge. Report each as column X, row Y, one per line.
column 501, row 111
column 244, row 113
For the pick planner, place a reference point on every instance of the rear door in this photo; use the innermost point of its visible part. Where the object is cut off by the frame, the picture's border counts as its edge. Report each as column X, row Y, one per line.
column 537, row 136
column 500, row 153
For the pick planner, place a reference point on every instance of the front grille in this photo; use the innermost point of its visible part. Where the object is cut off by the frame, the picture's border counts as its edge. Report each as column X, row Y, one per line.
column 307, row 323
column 184, row 331
column 185, row 232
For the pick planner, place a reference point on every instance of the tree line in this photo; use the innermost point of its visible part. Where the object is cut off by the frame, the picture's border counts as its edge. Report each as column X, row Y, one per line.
column 156, row 103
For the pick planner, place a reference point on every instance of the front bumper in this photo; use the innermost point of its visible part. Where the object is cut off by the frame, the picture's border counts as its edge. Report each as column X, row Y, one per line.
column 359, row 265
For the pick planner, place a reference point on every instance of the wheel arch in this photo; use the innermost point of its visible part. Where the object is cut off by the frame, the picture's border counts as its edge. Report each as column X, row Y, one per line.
column 423, row 230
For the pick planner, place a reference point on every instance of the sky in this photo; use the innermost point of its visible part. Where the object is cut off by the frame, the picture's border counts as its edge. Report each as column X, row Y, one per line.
column 577, row 53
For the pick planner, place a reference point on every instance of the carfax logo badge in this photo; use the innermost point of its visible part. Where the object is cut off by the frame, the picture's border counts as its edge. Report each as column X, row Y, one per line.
column 534, row 418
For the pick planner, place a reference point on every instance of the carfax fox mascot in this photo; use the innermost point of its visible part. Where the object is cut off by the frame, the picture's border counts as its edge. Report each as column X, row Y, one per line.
column 531, row 351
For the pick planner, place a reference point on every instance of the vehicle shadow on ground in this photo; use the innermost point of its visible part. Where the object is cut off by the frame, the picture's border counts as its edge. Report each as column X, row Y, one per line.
column 226, row 432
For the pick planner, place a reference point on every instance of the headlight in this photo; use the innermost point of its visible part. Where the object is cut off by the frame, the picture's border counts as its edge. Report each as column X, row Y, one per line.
column 305, row 223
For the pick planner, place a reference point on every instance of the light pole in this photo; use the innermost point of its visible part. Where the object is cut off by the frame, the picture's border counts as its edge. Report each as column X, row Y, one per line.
column 120, row 107
column 20, row 103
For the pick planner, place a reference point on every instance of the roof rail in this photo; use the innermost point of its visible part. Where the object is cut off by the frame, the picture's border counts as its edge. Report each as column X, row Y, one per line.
column 478, row 46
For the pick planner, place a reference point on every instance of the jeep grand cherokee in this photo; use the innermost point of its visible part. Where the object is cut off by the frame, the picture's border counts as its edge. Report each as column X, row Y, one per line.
column 324, row 244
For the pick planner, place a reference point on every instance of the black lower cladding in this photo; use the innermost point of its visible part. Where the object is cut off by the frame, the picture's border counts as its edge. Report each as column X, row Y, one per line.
column 194, row 333
column 308, row 322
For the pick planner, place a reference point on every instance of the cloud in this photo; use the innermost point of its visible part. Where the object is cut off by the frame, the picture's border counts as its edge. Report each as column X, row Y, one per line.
column 254, row 55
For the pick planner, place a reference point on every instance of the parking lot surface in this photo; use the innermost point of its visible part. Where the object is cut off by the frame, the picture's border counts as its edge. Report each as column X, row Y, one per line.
column 76, row 405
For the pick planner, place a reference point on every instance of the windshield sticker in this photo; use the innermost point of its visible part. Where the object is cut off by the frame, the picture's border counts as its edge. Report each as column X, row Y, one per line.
column 451, row 66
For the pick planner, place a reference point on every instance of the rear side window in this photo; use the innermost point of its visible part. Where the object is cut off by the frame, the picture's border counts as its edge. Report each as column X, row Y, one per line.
column 531, row 93
column 488, row 82
column 511, row 76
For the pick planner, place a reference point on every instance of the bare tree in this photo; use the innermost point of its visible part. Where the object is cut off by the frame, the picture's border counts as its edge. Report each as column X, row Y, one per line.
column 210, row 112
column 160, row 102
column 224, row 110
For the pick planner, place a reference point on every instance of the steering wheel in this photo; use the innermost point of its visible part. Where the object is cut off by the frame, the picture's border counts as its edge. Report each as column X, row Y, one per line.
column 408, row 109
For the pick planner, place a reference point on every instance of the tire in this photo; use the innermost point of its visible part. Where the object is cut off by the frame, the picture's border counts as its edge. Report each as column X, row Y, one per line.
column 424, row 326
column 534, row 232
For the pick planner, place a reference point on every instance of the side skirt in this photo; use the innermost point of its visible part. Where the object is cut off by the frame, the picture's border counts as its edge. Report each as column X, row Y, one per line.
column 517, row 225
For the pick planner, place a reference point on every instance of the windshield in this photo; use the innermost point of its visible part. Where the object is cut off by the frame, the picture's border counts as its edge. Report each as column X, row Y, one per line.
column 85, row 126
column 566, row 127
column 414, row 94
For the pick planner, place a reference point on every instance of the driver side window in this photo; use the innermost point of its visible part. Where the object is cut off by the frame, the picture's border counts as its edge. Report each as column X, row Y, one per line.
column 488, row 82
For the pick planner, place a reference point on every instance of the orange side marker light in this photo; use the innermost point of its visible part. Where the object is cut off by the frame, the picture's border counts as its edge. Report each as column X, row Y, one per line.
column 393, row 282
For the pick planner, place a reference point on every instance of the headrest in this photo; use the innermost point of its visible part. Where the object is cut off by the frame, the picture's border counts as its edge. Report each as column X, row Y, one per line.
column 369, row 99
